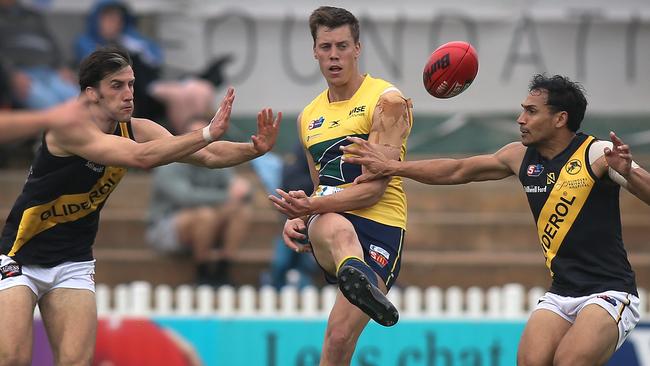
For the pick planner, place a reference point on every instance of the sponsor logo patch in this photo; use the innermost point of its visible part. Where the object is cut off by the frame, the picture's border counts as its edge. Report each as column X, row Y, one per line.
column 573, row 167
column 335, row 124
column 535, row 189
column 534, row 170
column 573, row 184
column 11, row 270
column 327, row 190
column 550, row 178
column 316, row 123
column 608, row 299
column 379, row 255
column 313, row 136
column 97, row 168
column 357, row 111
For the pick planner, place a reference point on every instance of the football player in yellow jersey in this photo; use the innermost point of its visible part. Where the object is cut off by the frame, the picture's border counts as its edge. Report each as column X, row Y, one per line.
column 572, row 182
column 356, row 231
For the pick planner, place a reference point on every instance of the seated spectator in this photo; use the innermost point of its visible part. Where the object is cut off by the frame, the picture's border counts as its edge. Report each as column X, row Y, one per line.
column 32, row 60
column 192, row 208
column 111, row 22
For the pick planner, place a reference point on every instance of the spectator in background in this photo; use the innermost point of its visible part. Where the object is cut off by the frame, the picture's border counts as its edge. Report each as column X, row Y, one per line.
column 111, row 23
column 192, row 208
column 295, row 177
column 32, row 60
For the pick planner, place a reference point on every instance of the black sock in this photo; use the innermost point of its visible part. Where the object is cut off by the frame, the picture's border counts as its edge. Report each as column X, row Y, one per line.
column 361, row 266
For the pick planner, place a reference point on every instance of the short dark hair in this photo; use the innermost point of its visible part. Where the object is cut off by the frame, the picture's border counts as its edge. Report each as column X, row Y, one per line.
column 563, row 95
column 102, row 62
column 331, row 17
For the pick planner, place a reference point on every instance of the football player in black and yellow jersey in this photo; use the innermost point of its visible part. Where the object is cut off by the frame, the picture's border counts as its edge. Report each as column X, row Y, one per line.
column 46, row 244
column 356, row 231
column 572, row 183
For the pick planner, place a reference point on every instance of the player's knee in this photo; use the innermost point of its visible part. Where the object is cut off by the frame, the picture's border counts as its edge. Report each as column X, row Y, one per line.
column 574, row 358
column 340, row 340
column 16, row 358
column 344, row 237
column 531, row 359
column 74, row 357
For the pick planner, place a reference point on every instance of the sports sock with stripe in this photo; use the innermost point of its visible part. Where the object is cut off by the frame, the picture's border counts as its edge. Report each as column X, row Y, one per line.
column 359, row 264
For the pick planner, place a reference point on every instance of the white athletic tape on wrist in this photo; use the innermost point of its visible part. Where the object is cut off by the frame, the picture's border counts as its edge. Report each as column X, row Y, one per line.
column 207, row 136
column 616, row 177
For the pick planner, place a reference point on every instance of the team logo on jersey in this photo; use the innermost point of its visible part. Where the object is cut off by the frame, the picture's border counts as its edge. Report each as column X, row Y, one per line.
column 11, row 270
column 357, row 111
column 534, row 170
column 573, row 167
column 550, row 178
column 335, row 123
column 379, row 255
column 316, row 123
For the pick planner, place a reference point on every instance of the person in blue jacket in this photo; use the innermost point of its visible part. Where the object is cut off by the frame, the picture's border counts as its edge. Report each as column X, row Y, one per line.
column 178, row 102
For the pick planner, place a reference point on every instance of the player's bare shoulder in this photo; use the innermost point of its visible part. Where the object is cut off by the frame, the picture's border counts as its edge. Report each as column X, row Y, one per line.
column 393, row 112
column 392, row 102
column 512, row 155
column 69, row 132
column 146, row 130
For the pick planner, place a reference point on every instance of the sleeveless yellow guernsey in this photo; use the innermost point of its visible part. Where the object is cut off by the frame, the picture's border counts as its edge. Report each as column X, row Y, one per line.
column 324, row 127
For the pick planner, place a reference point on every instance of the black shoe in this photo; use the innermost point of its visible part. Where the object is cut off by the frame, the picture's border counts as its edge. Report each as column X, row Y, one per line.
column 360, row 292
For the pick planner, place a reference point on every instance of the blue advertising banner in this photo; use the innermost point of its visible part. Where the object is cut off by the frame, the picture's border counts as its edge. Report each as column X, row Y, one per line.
column 409, row 343
column 288, row 342
column 298, row 342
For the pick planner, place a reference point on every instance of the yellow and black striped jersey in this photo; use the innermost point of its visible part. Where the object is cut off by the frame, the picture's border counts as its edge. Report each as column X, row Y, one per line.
column 578, row 221
column 55, row 218
column 324, row 126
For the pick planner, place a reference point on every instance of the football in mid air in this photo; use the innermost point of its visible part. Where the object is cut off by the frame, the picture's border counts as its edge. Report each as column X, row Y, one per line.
column 450, row 69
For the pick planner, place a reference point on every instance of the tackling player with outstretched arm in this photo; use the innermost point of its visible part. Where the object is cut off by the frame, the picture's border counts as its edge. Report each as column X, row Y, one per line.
column 572, row 184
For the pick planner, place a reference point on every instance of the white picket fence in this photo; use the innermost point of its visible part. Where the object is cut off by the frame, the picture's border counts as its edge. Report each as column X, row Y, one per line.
column 511, row 301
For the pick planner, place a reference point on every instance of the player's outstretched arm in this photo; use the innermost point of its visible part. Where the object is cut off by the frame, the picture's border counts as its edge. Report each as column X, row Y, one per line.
column 15, row 125
column 155, row 145
column 21, row 124
column 222, row 154
column 619, row 158
column 499, row 165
